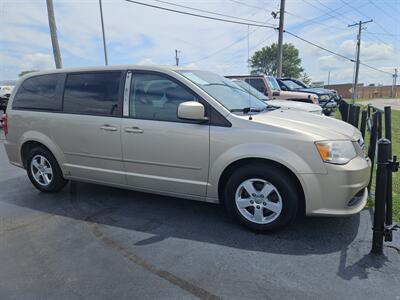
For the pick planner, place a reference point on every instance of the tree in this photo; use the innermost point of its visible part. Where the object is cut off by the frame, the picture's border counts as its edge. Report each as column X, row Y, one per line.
column 26, row 72
column 305, row 78
column 265, row 61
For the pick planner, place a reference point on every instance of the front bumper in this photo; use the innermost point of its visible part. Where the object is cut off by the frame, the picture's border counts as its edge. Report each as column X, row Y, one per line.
column 341, row 191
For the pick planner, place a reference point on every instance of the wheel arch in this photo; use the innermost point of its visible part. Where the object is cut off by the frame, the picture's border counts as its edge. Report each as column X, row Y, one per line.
column 267, row 162
column 36, row 139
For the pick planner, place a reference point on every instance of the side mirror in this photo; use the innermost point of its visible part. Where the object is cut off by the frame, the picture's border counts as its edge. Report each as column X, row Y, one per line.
column 191, row 110
column 284, row 88
column 276, row 94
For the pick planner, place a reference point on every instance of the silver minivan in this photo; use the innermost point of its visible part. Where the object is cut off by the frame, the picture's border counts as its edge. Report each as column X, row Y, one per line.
column 184, row 133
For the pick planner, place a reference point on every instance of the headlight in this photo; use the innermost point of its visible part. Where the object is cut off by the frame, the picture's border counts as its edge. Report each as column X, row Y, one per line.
column 336, row 152
column 324, row 98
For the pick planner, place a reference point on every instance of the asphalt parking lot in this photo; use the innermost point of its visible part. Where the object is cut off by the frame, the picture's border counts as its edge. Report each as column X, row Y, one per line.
column 95, row 242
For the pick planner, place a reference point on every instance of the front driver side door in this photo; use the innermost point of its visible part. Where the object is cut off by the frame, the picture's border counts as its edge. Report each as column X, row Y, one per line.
column 161, row 152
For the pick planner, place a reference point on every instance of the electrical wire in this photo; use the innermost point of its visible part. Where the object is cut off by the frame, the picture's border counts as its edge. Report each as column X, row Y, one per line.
column 208, row 12
column 200, row 16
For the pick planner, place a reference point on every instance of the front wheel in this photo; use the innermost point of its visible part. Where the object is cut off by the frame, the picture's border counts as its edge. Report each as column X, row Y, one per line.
column 262, row 197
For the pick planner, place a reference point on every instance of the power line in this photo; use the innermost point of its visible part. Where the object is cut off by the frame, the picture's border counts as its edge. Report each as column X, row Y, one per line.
column 200, row 16
column 364, row 15
column 319, row 46
column 207, row 11
column 248, row 5
column 255, row 25
column 224, row 48
column 335, row 53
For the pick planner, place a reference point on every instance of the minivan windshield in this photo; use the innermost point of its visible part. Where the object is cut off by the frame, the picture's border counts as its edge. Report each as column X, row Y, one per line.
column 226, row 92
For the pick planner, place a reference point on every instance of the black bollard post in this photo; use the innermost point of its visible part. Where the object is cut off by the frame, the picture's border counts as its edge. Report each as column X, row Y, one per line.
column 388, row 135
column 372, row 146
column 350, row 119
column 356, row 116
column 380, row 196
column 363, row 125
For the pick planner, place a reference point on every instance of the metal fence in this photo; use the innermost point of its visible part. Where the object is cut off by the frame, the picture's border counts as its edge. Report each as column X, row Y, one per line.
column 380, row 147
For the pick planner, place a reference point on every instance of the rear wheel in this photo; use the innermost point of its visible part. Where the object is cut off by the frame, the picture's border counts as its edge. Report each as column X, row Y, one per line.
column 44, row 171
column 261, row 197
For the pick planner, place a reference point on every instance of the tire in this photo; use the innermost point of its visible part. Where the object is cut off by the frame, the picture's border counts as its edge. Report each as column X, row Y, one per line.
column 272, row 206
column 49, row 177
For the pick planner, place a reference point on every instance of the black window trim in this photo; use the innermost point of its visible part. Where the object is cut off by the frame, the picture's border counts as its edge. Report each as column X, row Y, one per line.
column 58, row 91
column 207, row 107
column 120, row 91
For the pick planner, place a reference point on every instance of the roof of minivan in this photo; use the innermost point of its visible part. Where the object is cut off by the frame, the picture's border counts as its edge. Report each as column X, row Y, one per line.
column 109, row 68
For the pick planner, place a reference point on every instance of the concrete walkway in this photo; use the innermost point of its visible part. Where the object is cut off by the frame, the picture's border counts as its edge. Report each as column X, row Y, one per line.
column 381, row 103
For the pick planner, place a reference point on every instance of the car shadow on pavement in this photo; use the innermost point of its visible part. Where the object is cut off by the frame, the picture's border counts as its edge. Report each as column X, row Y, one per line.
column 165, row 217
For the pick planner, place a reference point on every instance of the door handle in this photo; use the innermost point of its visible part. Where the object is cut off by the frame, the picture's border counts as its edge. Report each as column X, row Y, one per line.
column 133, row 130
column 107, row 127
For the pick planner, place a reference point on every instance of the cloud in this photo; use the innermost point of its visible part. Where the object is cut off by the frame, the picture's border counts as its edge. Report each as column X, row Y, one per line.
column 37, row 61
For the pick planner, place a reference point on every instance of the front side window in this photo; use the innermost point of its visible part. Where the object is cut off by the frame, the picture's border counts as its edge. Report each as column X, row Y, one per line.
column 39, row 93
column 94, row 93
column 155, row 97
column 273, row 83
column 292, row 84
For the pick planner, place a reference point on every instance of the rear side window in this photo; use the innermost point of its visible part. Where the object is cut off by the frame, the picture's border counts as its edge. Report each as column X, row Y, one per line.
column 94, row 93
column 256, row 83
column 39, row 93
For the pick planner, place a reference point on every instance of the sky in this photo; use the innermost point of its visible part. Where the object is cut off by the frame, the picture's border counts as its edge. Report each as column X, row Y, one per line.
column 142, row 35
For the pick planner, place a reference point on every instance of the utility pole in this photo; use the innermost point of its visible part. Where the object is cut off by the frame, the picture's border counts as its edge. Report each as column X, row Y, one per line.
column 280, row 38
column 394, row 83
column 354, row 96
column 53, row 34
column 329, row 77
column 177, row 57
column 104, row 35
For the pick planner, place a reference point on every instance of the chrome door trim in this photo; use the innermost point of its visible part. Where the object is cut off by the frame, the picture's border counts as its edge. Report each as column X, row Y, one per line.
column 127, row 91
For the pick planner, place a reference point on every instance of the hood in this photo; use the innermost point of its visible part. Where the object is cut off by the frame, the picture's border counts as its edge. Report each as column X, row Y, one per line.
column 320, row 126
column 317, row 91
column 294, row 105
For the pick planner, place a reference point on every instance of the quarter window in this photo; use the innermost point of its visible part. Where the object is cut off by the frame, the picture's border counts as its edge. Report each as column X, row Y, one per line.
column 94, row 93
column 156, row 97
column 39, row 93
column 257, row 83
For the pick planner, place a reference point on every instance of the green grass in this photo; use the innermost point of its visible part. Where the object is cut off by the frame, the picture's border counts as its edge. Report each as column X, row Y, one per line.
column 396, row 151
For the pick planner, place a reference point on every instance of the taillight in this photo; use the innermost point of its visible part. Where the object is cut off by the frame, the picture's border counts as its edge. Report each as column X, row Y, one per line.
column 4, row 123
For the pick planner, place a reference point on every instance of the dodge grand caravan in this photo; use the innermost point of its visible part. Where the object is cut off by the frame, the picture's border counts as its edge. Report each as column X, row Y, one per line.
column 184, row 133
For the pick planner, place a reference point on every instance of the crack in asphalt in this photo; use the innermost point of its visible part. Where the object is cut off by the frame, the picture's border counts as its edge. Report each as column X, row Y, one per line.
column 109, row 242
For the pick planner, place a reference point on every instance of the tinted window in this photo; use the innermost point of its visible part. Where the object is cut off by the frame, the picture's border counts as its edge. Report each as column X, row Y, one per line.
column 155, row 97
column 93, row 93
column 257, row 83
column 39, row 92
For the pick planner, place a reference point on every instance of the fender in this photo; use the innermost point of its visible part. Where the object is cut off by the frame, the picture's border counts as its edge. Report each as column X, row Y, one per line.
column 273, row 152
column 35, row 136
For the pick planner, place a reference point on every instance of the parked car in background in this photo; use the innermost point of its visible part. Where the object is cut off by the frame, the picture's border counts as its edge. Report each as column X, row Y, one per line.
column 184, row 133
column 270, row 88
column 328, row 99
column 281, row 104
column 5, row 93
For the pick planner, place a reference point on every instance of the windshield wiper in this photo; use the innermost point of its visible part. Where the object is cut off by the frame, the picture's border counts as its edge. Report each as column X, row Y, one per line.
column 246, row 110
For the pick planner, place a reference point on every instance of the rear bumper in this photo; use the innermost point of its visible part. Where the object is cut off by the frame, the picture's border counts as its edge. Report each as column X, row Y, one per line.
column 342, row 191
